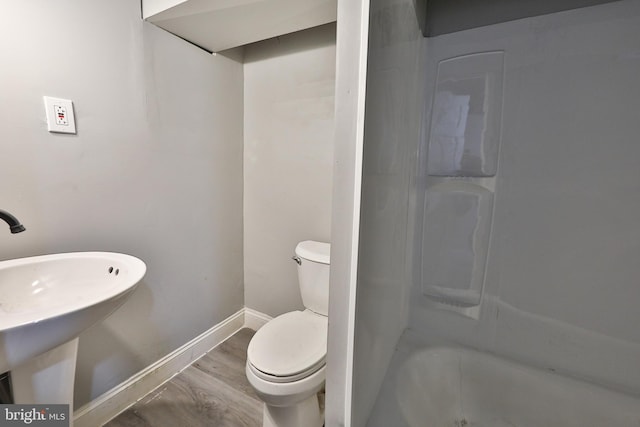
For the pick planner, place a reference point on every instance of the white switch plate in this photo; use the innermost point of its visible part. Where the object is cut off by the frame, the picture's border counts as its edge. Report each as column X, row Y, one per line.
column 59, row 115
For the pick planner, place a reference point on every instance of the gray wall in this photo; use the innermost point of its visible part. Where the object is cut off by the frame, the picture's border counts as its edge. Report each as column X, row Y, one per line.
column 289, row 93
column 154, row 171
column 561, row 284
column 391, row 134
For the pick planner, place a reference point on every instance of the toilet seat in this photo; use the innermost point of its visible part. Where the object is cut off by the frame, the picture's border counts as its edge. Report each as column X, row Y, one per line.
column 288, row 348
column 285, row 379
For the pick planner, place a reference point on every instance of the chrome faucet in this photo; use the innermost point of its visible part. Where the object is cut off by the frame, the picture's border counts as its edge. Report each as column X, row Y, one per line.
column 14, row 224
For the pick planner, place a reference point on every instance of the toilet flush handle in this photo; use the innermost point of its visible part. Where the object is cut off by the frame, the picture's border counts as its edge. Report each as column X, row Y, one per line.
column 297, row 259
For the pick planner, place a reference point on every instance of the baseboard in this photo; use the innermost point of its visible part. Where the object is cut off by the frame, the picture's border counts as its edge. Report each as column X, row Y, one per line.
column 106, row 407
column 254, row 319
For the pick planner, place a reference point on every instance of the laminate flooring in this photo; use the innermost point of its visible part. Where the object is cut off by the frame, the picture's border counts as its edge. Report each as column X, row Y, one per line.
column 212, row 392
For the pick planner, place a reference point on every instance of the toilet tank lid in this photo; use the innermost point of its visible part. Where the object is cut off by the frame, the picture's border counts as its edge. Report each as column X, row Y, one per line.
column 314, row 251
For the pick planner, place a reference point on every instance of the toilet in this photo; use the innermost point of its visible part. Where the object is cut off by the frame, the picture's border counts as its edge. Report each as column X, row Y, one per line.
column 286, row 357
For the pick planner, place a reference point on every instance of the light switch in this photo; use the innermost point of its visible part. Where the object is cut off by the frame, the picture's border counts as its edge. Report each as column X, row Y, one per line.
column 60, row 117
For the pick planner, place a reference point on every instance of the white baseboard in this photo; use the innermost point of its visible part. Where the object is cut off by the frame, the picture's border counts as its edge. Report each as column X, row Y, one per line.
column 109, row 405
column 254, row 319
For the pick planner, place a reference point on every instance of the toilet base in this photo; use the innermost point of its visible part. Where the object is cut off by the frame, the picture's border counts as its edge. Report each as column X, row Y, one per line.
column 305, row 413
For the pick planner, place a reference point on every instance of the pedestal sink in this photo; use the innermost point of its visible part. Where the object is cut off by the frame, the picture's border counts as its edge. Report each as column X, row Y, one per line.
column 45, row 303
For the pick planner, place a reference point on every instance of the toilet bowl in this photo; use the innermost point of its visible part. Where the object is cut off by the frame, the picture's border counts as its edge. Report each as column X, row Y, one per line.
column 286, row 357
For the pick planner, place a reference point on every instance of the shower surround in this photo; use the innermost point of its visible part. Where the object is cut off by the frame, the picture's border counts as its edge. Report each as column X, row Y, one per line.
column 553, row 308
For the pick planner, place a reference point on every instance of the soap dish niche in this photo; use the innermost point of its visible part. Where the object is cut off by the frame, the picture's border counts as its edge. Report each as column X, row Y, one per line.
column 466, row 116
column 455, row 242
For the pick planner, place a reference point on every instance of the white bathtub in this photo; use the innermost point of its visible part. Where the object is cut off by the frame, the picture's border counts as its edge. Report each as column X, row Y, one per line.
column 455, row 387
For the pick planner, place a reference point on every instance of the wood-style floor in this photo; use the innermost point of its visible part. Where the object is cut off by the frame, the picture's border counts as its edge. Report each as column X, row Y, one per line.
column 214, row 391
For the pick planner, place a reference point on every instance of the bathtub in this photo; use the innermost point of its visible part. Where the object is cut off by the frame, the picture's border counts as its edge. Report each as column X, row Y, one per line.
column 456, row 387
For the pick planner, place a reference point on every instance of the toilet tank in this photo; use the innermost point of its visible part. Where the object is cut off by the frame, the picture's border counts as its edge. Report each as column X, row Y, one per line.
column 313, row 275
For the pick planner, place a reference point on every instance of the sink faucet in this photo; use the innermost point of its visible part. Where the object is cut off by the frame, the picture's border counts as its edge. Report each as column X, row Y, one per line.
column 14, row 224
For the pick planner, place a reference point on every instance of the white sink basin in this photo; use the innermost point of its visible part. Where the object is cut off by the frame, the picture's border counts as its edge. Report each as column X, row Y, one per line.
column 47, row 301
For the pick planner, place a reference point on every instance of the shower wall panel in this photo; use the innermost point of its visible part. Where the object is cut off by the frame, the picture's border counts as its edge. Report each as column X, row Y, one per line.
column 391, row 135
column 561, row 281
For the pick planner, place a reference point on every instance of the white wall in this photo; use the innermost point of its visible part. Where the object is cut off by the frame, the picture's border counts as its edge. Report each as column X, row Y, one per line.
column 391, row 134
column 155, row 170
column 351, row 62
column 561, row 287
column 289, row 91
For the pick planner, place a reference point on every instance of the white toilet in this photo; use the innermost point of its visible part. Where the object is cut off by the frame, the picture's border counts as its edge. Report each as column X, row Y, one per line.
column 286, row 357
